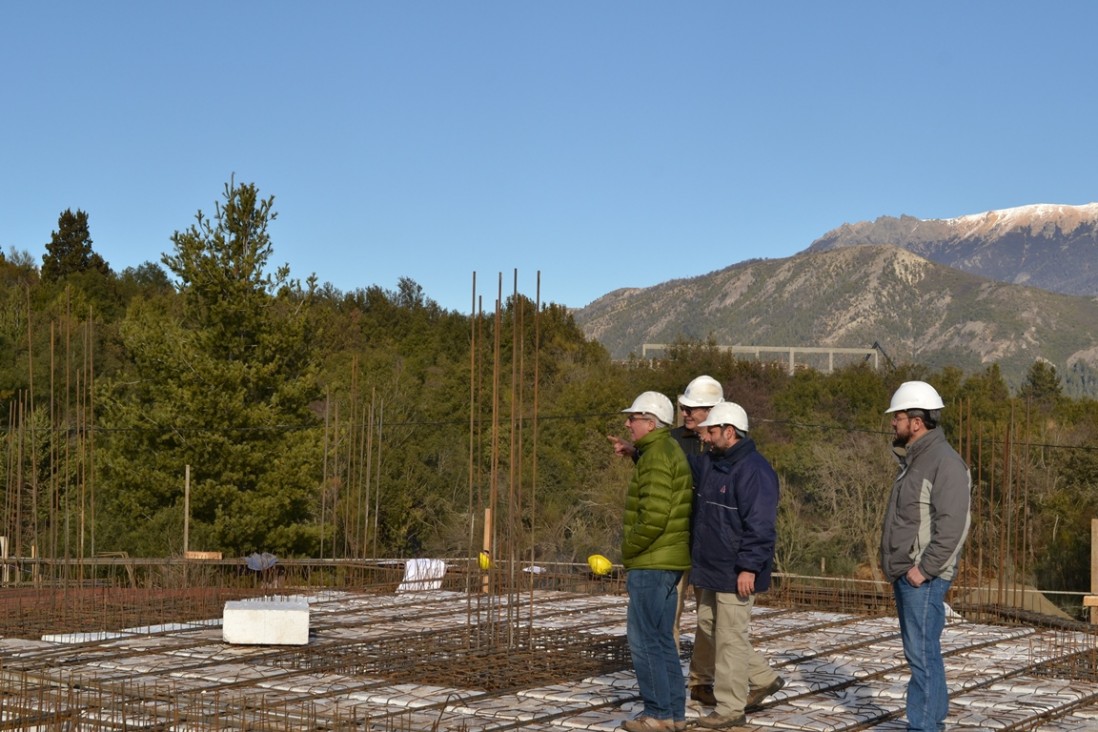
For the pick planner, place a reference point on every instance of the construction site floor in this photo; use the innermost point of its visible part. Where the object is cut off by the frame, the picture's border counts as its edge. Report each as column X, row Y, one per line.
column 544, row 661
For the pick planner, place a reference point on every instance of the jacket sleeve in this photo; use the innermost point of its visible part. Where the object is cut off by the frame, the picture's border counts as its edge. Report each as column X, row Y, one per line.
column 949, row 516
column 653, row 505
column 757, row 498
column 697, row 465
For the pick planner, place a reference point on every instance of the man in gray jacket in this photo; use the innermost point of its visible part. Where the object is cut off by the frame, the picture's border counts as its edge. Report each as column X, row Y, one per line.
column 925, row 526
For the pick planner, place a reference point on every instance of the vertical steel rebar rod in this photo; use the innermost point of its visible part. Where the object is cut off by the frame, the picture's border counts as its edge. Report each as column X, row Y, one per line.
column 472, row 426
column 514, row 482
column 534, row 448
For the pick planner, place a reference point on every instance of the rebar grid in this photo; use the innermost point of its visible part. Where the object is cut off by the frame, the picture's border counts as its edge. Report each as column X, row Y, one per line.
column 459, row 649
column 469, row 658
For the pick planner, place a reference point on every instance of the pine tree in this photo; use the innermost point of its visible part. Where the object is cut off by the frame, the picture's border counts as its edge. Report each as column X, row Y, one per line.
column 1042, row 384
column 70, row 248
column 224, row 384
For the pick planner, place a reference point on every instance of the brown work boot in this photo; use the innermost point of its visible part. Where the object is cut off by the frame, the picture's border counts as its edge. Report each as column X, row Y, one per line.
column 755, row 696
column 703, row 693
column 715, row 720
column 644, row 723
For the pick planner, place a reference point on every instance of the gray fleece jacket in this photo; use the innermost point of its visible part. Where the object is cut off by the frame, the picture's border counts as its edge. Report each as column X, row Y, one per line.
column 927, row 518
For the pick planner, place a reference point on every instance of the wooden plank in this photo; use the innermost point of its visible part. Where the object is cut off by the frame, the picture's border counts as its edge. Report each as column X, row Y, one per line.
column 202, row 555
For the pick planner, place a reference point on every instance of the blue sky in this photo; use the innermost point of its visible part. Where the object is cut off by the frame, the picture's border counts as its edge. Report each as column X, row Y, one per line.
column 603, row 144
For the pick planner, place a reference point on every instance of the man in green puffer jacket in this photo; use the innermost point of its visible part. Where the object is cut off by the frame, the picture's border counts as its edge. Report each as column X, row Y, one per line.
column 655, row 551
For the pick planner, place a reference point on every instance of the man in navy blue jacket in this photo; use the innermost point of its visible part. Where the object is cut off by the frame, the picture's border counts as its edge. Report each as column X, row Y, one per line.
column 732, row 555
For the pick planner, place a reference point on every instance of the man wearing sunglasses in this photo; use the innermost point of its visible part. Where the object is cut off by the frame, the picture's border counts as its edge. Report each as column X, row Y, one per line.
column 700, row 396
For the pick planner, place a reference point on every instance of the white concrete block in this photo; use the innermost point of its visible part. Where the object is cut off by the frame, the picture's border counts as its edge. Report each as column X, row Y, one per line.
column 268, row 621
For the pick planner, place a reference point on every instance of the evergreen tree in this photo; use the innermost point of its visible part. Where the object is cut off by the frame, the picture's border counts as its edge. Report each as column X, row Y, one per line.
column 1042, row 384
column 224, row 384
column 70, row 249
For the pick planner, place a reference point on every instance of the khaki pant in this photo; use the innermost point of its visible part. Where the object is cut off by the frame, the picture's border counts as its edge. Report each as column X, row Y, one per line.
column 683, row 584
column 701, row 660
column 723, row 618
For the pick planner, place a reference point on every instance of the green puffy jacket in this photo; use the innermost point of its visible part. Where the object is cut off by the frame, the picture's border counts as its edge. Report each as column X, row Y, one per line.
column 657, row 507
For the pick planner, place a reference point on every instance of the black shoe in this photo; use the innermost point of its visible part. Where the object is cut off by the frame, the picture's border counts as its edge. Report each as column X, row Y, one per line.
column 703, row 693
column 756, row 696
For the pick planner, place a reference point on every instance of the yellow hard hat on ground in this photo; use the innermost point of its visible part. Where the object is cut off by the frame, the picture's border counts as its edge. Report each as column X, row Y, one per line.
column 599, row 564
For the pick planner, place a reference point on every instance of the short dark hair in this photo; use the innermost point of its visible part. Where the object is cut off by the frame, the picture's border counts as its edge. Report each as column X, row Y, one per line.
column 930, row 417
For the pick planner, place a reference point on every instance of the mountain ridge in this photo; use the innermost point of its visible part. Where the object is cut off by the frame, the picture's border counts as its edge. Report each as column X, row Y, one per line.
column 853, row 296
column 1051, row 246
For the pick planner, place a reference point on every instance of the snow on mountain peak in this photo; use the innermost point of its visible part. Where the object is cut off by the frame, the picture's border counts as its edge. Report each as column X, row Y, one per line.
column 1034, row 217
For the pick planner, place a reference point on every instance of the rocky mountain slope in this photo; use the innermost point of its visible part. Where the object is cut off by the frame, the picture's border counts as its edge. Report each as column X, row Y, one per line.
column 1053, row 247
column 853, row 296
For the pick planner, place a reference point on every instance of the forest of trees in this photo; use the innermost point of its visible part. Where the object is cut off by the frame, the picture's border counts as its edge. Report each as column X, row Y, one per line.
column 311, row 422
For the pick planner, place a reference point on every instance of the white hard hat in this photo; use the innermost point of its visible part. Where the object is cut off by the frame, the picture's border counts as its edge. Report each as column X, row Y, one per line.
column 654, row 403
column 726, row 413
column 704, row 391
column 915, row 395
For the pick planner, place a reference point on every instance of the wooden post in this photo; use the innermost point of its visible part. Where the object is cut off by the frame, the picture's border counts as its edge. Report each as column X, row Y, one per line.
column 1092, row 601
column 186, row 509
column 485, row 586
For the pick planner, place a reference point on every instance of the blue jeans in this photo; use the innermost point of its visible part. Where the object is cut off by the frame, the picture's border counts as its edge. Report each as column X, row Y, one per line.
column 650, row 628
column 922, row 617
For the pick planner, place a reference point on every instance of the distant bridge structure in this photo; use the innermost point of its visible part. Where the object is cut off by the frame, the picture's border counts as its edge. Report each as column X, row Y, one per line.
column 789, row 353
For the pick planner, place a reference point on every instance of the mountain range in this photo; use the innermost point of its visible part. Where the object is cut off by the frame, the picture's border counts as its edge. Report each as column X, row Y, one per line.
column 1006, row 287
column 1047, row 246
